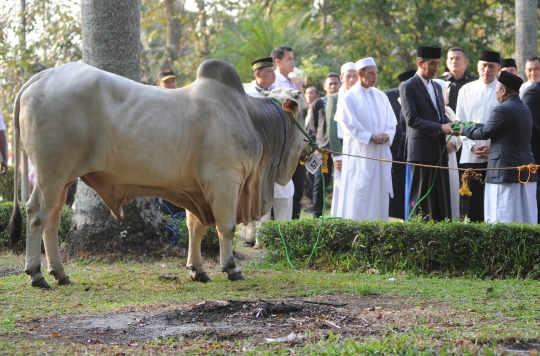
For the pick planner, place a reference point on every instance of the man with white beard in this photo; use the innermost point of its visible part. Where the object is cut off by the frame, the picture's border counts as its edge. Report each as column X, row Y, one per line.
column 369, row 126
column 348, row 78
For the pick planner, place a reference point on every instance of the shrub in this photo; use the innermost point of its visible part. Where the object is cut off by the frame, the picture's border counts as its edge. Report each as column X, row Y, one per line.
column 479, row 249
column 5, row 215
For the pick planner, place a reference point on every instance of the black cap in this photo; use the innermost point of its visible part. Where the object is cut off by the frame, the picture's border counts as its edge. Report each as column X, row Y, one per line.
column 508, row 62
column 406, row 75
column 165, row 74
column 510, row 80
column 429, row 51
column 262, row 63
column 490, row 56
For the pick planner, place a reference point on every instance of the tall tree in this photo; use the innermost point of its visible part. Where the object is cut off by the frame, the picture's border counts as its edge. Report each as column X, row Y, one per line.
column 110, row 34
column 526, row 32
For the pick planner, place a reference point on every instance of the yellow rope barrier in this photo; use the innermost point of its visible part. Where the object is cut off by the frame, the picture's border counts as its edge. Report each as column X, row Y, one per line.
column 468, row 172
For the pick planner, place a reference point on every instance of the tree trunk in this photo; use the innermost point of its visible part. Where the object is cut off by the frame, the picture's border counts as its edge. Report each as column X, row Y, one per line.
column 205, row 36
column 110, row 32
column 526, row 33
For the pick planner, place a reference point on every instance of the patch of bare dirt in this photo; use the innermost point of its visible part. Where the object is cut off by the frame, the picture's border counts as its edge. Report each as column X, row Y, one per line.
column 9, row 271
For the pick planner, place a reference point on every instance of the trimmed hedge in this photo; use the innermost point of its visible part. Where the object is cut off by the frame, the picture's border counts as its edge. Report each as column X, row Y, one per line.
column 477, row 249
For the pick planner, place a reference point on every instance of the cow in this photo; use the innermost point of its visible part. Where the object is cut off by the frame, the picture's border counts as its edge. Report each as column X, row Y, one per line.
column 224, row 152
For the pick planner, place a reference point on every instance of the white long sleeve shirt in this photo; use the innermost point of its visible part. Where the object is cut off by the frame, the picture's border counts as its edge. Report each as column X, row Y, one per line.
column 475, row 102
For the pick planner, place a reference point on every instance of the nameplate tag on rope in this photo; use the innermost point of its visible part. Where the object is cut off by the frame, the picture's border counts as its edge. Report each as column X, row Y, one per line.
column 313, row 163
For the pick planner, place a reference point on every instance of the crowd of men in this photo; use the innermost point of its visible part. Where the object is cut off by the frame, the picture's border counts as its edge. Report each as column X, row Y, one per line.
column 436, row 124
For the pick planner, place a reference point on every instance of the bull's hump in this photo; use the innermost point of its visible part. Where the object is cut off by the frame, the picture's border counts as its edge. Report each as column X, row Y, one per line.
column 221, row 71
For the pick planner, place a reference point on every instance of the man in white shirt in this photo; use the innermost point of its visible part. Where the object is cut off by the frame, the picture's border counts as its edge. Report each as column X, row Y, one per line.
column 475, row 103
column 369, row 125
column 284, row 62
column 263, row 70
column 532, row 71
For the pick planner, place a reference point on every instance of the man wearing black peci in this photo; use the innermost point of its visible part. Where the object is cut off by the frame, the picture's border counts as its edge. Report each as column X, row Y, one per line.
column 422, row 107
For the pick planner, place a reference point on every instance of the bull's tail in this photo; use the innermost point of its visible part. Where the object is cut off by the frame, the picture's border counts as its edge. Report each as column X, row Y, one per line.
column 16, row 223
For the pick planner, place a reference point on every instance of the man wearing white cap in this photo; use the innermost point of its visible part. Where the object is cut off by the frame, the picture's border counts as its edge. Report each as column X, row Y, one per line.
column 348, row 78
column 369, row 126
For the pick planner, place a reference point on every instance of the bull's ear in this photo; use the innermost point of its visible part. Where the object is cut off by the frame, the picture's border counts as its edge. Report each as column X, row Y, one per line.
column 290, row 105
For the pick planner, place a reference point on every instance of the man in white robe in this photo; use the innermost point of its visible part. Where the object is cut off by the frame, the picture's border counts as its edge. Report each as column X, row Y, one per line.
column 369, row 125
column 348, row 78
column 475, row 103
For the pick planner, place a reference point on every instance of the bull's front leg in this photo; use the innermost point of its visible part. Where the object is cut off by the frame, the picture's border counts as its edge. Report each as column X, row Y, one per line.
column 226, row 234
column 194, row 261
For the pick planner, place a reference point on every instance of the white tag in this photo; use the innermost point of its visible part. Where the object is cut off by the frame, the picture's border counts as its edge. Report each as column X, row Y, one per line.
column 313, row 163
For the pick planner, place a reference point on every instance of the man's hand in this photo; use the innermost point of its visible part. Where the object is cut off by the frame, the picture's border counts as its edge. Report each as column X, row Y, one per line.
column 380, row 139
column 450, row 147
column 337, row 165
column 447, row 129
column 298, row 82
column 481, row 151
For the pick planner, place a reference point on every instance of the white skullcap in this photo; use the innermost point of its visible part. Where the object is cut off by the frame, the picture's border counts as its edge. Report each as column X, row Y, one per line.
column 348, row 66
column 366, row 62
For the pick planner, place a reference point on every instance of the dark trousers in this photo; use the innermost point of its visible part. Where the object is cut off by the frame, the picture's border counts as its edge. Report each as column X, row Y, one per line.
column 319, row 189
column 298, row 181
column 430, row 192
column 397, row 203
column 474, row 205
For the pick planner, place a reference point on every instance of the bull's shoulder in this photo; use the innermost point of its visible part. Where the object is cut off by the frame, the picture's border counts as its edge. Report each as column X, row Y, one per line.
column 221, row 71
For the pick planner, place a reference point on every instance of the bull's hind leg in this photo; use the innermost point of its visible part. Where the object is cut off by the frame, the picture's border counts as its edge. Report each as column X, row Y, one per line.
column 50, row 239
column 38, row 211
column 194, row 260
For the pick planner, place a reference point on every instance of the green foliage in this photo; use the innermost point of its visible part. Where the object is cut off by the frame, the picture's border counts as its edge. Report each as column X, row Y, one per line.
column 481, row 250
column 210, row 241
column 7, row 185
column 5, row 215
column 313, row 71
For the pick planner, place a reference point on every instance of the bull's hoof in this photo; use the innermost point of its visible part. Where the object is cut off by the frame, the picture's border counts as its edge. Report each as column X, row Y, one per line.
column 199, row 277
column 64, row 281
column 235, row 276
column 41, row 283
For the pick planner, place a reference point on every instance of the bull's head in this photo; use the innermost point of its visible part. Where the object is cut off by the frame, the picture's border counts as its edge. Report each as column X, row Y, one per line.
column 295, row 106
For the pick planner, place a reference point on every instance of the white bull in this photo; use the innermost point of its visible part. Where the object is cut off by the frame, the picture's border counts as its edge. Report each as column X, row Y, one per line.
column 224, row 150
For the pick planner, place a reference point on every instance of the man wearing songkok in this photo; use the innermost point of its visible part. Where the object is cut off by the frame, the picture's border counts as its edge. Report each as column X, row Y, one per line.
column 509, row 65
column 531, row 98
column 397, row 203
column 369, row 126
column 475, row 103
column 318, row 129
column 263, row 71
column 457, row 63
column 348, row 78
column 422, row 106
column 532, row 71
column 509, row 127
column 166, row 79
column 283, row 57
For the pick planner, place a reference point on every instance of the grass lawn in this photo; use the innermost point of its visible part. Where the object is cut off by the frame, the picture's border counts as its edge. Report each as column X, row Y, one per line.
column 404, row 314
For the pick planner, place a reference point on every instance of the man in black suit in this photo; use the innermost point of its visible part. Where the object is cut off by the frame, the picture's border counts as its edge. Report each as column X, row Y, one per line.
column 422, row 107
column 531, row 98
column 509, row 127
column 397, row 203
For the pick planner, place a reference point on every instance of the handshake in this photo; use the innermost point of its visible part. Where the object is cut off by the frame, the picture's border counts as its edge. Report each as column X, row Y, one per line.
column 454, row 129
column 380, row 139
